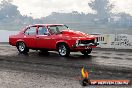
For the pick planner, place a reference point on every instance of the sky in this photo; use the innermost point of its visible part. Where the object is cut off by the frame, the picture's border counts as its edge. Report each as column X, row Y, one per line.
column 42, row 8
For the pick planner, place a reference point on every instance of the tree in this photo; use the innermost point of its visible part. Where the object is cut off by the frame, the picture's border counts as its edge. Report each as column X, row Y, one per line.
column 10, row 16
column 103, row 9
column 8, row 10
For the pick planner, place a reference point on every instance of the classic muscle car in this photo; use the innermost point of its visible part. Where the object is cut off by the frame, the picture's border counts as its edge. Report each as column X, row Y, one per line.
column 53, row 37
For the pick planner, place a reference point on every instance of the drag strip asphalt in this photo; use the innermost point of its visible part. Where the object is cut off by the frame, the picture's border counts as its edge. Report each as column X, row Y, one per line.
column 100, row 64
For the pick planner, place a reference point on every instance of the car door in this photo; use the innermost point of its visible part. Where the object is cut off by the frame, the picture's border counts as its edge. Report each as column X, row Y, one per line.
column 44, row 39
column 30, row 37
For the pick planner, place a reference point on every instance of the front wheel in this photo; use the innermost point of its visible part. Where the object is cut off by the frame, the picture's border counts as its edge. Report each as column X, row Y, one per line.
column 22, row 47
column 86, row 52
column 63, row 50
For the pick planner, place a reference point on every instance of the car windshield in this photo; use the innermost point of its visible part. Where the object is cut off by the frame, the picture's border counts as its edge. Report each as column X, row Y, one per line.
column 57, row 29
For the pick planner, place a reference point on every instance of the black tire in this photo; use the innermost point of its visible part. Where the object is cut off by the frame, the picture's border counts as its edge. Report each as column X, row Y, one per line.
column 63, row 50
column 22, row 48
column 86, row 52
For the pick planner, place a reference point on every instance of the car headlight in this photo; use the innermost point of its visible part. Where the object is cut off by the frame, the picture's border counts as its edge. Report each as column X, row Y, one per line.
column 77, row 42
column 95, row 40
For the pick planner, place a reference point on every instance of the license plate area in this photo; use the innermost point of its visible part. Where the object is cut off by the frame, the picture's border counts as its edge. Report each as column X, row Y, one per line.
column 87, row 47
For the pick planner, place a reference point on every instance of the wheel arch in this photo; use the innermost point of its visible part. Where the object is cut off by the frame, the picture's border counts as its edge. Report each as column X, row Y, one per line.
column 62, row 42
column 20, row 40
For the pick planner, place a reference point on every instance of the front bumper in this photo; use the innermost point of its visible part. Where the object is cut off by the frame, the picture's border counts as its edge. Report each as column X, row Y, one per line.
column 87, row 45
column 84, row 46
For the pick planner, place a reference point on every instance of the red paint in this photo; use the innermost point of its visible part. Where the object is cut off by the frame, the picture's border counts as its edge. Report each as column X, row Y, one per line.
column 50, row 41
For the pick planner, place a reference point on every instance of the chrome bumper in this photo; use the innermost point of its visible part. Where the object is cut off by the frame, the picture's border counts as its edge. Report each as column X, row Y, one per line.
column 87, row 45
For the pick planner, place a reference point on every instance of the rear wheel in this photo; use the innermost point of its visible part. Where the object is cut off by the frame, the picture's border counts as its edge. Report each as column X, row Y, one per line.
column 86, row 52
column 22, row 47
column 63, row 50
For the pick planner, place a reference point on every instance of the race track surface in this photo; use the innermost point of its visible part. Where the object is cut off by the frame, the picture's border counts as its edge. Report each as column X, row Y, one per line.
column 37, row 70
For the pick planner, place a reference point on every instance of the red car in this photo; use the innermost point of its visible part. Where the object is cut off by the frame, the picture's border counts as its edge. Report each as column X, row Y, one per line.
column 53, row 37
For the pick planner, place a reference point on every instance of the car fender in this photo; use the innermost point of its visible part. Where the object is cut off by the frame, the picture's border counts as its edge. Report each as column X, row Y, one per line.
column 63, row 41
column 19, row 40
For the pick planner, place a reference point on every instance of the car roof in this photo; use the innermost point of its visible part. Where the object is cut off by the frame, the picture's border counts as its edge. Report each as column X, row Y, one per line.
column 45, row 24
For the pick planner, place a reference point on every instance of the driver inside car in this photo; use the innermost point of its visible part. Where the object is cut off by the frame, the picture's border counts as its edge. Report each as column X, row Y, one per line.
column 42, row 31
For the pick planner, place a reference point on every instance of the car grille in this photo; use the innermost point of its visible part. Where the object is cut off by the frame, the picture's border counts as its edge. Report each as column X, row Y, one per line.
column 86, row 41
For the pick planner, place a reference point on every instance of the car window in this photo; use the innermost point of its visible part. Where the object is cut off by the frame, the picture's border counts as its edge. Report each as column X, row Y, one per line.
column 31, row 31
column 42, row 31
column 52, row 30
column 56, row 29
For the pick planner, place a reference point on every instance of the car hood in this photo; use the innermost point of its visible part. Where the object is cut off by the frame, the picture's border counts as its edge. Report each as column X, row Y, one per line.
column 76, row 34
